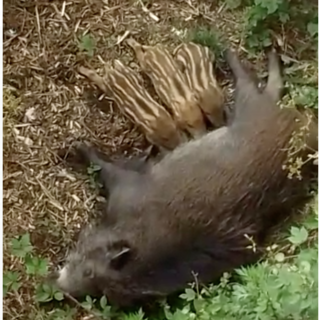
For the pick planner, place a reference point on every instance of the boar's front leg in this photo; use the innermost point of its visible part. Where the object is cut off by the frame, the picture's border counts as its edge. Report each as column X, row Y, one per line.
column 111, row 176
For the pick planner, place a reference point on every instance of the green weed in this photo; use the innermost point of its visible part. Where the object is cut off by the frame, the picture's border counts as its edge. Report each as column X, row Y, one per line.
column 87, row 44
column 262, row 17
column 93, row 172
column 207, row 37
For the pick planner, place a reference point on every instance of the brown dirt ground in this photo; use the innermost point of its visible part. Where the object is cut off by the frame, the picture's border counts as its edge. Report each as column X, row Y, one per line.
column 57, row 106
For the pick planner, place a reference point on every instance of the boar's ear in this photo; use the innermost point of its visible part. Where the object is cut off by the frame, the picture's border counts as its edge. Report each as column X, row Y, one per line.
column 121, row 254
column 181, row 66
column 197, row 97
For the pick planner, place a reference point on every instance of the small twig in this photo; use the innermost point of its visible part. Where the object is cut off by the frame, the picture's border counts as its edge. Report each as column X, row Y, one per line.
column 121, row 38
column 38, row 23
column 221, row 7
column 146, row 10
column 60, row 16
column 92, row 315
column 53, row 201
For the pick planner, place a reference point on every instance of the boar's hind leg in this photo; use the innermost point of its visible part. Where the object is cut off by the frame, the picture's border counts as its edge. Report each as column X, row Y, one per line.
column 274, row 85
column 244, row 80
column 246, row 89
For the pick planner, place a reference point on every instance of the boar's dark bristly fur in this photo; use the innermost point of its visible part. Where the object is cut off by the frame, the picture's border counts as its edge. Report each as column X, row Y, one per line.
column 187, row 214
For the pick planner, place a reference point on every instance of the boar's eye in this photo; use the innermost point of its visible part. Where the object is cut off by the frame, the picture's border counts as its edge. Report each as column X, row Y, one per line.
column 88, row 273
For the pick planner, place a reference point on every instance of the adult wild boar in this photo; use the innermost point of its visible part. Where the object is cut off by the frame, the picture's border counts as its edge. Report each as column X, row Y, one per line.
column 187, row 214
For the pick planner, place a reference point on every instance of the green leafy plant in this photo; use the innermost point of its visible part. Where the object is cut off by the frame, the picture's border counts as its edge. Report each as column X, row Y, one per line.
column 102, row 310
column 298, row 235
column 206, row 37
column 93, row 171
column 67, row 313
column 21, row 246
column 139, row 315
column 262, row 17
column 259, row 18
column 46, row 293
column 35, row 268
column 313, row 29
column 11, row 281
column 87, row 43
column 11, row 106
column 302, row 84
column 305, row 96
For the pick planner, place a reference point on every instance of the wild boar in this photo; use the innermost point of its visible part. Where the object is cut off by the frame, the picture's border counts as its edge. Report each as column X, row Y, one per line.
column 187, row 214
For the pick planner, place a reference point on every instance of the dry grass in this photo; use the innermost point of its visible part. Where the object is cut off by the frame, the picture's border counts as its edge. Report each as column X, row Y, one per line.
column 47, row 106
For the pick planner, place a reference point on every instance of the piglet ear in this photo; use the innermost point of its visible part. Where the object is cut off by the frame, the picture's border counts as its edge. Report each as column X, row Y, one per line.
column 121, row 255
column 181, row 66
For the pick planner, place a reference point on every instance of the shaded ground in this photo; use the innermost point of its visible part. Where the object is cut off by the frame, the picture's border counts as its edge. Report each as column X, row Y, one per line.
column 57, row 106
